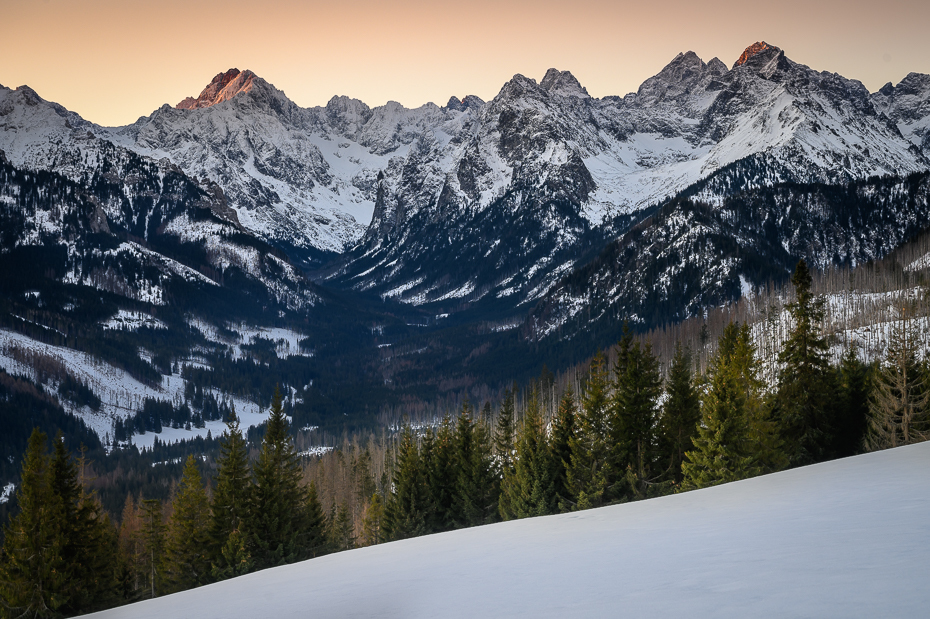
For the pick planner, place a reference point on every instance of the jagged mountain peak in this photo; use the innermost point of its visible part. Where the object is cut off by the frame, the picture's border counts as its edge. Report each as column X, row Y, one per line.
column 913, row 83
column 469, row 101
column 717, row 66
column 28, row 94
column 563, row 83
column 223, row 87
column 681, row 68
column 680, row 77
column 518, row 86
column 751, row 51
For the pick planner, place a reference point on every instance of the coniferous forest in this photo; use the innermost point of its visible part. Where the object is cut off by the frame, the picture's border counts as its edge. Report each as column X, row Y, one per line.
column 627, row 425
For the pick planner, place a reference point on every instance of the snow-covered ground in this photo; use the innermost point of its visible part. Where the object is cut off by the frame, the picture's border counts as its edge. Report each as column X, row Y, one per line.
column 121, row 395
column 849, row 538
column 133, row 321
column 286, row 341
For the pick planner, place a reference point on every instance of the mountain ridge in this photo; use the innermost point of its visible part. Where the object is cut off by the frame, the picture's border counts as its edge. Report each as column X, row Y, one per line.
column 543, row 165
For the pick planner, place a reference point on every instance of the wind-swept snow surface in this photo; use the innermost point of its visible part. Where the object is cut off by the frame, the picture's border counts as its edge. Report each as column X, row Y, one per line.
column 849, row 538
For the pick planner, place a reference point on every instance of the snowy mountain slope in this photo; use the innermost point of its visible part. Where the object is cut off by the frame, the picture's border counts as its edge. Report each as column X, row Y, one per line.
column 256, row 144
column 711, row 246
column 847, row 538
column 121, row 395
column 133, row 226
column 303, row 177
column 908, row 106
column 547, row 161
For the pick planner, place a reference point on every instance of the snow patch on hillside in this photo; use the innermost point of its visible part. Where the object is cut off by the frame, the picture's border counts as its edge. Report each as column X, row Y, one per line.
column 132, row 321
column 7, row 493
column 121, row 395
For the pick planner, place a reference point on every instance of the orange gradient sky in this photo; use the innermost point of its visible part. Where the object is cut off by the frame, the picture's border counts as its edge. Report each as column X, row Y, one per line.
column 113, row 61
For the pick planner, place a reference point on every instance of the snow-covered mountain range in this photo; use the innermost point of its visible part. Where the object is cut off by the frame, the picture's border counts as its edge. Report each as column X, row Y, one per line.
column 492, row 202
column 546, row 169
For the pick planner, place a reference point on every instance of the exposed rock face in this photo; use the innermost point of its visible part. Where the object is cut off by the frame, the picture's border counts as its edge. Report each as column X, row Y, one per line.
column 749, row 52
column 907, row 105
column 217, row 91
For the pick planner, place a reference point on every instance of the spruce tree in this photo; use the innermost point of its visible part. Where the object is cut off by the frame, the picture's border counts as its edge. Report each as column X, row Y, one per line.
column 342, row 529
column 230, row 499
column 805, row 390
column 723, row 449
column 590, row 474
column 440, row 466
column 405, row 511
column 530, row 489
column 560, row 451
column 900, row 406
column 681, row 414
column 235, row 558
column 152, row 555
column 88, row 538
column 129, row 561
column 371, row 522
column 315, row 541
column 32, row 572
column 277, row 526
column 740, row 353
column 633, row 412
column 476, row 486
column 851, row 417
column 188, row 552
column 503, row 435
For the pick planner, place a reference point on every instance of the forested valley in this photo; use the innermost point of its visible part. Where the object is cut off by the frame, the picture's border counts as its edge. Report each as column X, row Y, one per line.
column 831, row 365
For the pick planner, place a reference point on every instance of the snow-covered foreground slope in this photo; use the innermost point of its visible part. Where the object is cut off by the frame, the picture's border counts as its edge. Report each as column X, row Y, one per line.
column 849, row 538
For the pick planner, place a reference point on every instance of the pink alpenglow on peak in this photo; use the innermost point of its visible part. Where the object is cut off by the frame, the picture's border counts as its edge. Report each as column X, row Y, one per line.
column 751, row 51
column 224, row 87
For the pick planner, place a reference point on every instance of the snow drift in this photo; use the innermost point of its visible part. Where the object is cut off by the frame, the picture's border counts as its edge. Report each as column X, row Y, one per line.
column 848, row 538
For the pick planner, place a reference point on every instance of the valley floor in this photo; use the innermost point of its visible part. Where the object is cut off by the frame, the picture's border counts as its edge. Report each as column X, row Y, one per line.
column 848, row 538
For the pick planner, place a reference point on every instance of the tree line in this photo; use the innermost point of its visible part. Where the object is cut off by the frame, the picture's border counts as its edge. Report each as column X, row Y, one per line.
column 630, row 431
column 62, row 555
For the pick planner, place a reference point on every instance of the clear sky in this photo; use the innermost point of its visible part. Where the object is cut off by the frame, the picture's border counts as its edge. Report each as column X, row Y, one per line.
column 115, row 60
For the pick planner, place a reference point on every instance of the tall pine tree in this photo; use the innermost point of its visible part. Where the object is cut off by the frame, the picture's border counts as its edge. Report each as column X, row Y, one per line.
column 563, row 433
column 188, row 549
column 530, row 489
column 476, row 484
column 89, row 539
column 405, row 511
column 440, row 466
column 805, row 389
column 851, row 413
column 32, row 572
column 590, row 474
column 681, row 414
column 723, row 448
column 278, row 525
column 900, row 406
column 153, row 534
column 634, row 407
column 230, row 500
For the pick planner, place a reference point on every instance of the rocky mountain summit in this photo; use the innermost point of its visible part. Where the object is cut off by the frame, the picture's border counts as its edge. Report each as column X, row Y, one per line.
column 224, row 87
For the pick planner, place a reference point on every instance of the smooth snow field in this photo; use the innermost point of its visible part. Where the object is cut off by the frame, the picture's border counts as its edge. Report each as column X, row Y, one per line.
column 849, row 538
